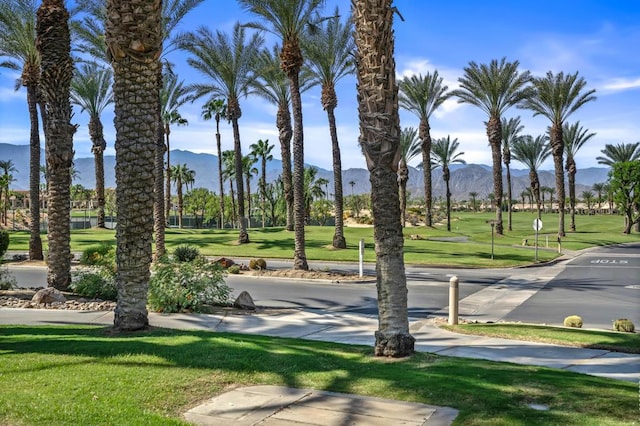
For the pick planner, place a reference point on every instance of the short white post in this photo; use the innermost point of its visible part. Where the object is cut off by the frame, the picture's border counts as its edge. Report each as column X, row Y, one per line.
column 361, row 257
column 453, row 300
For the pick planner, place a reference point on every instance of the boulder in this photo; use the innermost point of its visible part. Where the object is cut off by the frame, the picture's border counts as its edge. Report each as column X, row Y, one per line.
column 48, row 296
column 244, row 301
column 224, row 262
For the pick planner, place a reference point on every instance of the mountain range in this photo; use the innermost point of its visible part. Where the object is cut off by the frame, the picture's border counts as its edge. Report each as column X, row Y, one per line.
column 465, row 178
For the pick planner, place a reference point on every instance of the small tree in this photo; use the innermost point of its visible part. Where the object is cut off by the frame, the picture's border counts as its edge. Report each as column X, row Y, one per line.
column 625, row 185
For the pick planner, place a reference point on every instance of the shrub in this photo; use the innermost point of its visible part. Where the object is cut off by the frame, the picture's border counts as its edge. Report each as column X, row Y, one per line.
column 624, row 325
column 234, row 269
column 186, row 253
column 257, row 264
column 95, row 283
column 187, row 286
column 4, row 243
column 7, row 281
column 573, row 321
column 100, row 255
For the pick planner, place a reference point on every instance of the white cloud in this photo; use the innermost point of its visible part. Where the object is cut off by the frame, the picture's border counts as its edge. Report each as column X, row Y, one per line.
column 619, row 84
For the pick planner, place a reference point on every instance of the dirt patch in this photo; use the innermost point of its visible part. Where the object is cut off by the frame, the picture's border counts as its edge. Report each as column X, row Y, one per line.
column 334, row 276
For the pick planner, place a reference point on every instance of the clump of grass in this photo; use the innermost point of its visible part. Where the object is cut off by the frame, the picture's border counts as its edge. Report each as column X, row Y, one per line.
column 574, row 321
column 624, row 325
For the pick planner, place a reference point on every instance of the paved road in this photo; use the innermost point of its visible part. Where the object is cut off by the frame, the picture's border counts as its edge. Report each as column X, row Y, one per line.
column 600, row 285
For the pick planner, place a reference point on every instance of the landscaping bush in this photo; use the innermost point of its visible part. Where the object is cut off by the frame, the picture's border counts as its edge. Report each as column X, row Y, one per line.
column 234, row 269
column 573, row 321
column 187, row 286
column 623, row 324
column 7, row 281
column 260, row 264
column 4, row 243
column 100, row 255
column 95, row 283
column 186, row 253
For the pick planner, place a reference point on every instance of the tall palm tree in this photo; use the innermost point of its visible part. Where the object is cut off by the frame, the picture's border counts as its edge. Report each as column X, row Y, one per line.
column 7, row 167
column 216, row 108
column 494, row 88
column 135, row 44
column 473, row 195
column 173, row 95
column 18, row 45
column 532, row 153
column 410, row 147
column 228, row 62
column 422, row 96
column 556, row 97
column 608, row 189
column 544, row 190
column 329, row 51
column 380, row 142
column 599, row 188
column 574, row 138
column 312, row 188
column 287, row 19
column 511, row 129
column 248, row 171
column 262, row 150
column 445, row 152
column 53, row 41
column 587, row 197
column 273, row 85
column 182, row 176
column 619, row 153
column 229, row 172
column 91, row 91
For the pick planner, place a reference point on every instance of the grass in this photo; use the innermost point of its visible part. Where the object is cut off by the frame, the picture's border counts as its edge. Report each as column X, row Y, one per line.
column 85, row 375
column 475, row 252
column 593, row 339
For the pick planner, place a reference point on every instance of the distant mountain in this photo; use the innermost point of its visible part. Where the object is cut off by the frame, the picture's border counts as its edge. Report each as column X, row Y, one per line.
column 464, row 178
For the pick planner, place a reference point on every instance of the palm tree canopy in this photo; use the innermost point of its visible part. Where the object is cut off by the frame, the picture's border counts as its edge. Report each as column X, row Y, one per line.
column 619, row 153
column 329, row 49
column 445, row 152
column 261, row 149
column 410, row 145
column 557, row 96
column 173, row 95
column 511, row 129
column 91, row 88
column 530, row 151
column 494, row 87
column 214, row 108
column 422, row 95
column 18, row 37
column 228, row 61
column 574, row 136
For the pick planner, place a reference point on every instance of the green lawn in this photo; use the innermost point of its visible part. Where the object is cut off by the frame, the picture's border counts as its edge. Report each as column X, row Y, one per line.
column 84, row 375
column 594, row 339
column 474, row 252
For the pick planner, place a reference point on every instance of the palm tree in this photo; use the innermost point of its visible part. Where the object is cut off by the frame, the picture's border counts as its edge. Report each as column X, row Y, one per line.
column 380, row 142
column 556, row 97
column 248, row 171
column 18, row 44
column 445, row 152
column 262, row 150
column 532, row 153
column 422, row 96
column 494, row 88
column 587, row 197
column 574, row 138
column 287, row 20
column 619, row 153
column 511, row 129
column 609, row 191
column 7, row 167
column 312, row 188
column 91, row 91
column 182, row 176
column 524, row 194
column 410, row 147
column 173, row 95
column 328, row 50
column 228, row 62
column 599, row 188
column 229, row 172
column 217, row 109
column 473, row 195
column 544, row 190
column 53, row 41
column 136, row 135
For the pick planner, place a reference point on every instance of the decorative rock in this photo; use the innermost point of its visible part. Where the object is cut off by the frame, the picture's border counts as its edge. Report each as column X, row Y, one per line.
column 244, row 301
column 224, row 262
column 48, row 295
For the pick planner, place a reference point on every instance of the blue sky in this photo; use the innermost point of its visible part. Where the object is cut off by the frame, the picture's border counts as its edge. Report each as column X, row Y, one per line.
column 596, row 38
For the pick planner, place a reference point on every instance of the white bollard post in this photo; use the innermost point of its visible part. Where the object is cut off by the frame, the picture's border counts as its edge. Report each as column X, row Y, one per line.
column 453, row 300
column 361, row 257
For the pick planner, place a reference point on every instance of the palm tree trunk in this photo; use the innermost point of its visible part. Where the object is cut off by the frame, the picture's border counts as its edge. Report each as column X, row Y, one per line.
column 219, row 147
column 179, row 189
column 403, row 177
column 233, row 202
column 96, row 134
column 160, row 214
column 243, row 236
column 299, row 255
column 248, row 198
column 167, row 191
column 54, row 45
column 263, row 189
column 380, row 140
column 557, row 149
column 425, row 137
column 135, row 43
column 509, row 196
column 535, row 189
column 285, row 133
column 571, row 175
column 339, row 241
column 35, row 242
column 446, row 176
column 494, row 132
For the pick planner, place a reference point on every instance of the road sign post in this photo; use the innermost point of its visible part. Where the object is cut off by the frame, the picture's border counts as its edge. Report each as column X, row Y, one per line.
column 537, row 225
